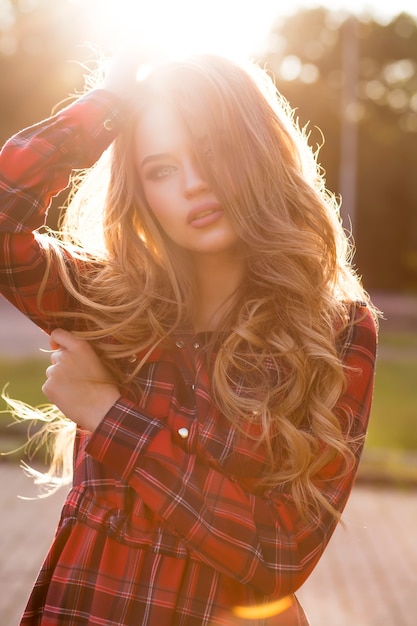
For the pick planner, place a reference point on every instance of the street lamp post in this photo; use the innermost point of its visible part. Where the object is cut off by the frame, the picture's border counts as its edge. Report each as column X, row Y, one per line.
column 349, row 130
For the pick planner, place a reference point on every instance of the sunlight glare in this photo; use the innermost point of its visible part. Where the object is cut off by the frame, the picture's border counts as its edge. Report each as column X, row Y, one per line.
column 176, row 28
column 228, row 27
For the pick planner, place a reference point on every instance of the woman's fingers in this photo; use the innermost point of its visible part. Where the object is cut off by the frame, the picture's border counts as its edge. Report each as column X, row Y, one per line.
column 77, row 381
column 124, row 68
column 61, row 338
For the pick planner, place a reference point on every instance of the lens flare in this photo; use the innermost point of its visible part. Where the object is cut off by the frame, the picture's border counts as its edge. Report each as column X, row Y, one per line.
column 263, row 611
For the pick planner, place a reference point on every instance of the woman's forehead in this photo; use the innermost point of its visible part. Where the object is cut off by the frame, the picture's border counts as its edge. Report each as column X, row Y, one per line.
column 160, row 129
column 162, row 118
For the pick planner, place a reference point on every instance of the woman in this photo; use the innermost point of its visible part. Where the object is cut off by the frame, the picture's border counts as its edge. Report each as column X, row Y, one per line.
column 211, row 342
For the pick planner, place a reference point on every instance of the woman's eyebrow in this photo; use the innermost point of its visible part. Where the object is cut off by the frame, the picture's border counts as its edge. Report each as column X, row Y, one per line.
column 155, row 157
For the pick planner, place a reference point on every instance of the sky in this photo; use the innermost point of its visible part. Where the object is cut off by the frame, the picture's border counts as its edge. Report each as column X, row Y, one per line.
column 235, row 28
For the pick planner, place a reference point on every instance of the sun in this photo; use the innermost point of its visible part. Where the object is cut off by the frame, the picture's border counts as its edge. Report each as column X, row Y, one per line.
column 231, row 28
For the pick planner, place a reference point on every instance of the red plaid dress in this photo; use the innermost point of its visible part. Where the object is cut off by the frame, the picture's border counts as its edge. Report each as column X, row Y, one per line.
column 162, row 525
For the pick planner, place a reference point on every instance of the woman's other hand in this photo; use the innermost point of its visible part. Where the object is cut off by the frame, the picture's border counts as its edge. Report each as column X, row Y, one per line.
column 77, row 382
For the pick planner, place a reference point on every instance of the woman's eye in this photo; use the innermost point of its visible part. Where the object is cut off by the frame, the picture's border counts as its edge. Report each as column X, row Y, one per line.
column 161, row 171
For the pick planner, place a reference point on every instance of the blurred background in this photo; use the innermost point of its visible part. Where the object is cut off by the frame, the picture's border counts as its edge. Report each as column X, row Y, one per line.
column 350, row 72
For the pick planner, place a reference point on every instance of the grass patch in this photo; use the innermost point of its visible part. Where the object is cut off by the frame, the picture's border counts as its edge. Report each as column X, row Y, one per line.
column 24, row 379
column 394, row 409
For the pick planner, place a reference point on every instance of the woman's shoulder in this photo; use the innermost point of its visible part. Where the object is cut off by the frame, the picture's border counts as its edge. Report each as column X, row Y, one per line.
column 364, row 315
column 362, row 328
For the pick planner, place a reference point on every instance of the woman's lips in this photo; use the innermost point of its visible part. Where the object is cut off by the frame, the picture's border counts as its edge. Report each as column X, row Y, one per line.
column 204, row 214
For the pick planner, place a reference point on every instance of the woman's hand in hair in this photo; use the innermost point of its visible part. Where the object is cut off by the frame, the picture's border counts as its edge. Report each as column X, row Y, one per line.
column 77, row 382
column 127, row 67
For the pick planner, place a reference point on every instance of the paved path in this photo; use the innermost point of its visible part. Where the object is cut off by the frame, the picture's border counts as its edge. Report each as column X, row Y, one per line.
column 367, row 576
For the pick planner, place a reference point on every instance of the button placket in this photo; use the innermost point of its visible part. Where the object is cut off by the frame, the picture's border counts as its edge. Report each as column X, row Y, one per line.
column 190, row 346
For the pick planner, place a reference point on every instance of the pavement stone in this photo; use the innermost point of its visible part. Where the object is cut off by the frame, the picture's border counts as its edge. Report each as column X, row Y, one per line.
column 366, row 577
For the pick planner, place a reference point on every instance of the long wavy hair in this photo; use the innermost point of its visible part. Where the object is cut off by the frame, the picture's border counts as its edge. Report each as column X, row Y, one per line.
column 293, row 308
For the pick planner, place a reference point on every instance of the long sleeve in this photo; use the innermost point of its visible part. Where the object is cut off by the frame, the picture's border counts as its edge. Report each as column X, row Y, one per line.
column 258, row 540
column 35, row 165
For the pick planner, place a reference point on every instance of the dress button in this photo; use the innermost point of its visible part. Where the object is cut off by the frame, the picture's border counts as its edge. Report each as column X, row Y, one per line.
column 108, row 124
column 193, row 387
column 179, row 343
column 183, row 433
column 196, row 345
column 133, row 358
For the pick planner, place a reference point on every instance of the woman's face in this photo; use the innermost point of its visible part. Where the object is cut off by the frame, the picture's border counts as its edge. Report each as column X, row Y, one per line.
column 176, row 190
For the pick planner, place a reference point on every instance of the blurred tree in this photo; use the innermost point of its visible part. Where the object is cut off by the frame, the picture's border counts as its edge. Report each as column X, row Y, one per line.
column 44, row 50
column 307, row 56
column 42, row 45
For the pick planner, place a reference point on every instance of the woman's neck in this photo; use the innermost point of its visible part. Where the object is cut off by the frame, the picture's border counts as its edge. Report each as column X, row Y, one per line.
column 217, row 280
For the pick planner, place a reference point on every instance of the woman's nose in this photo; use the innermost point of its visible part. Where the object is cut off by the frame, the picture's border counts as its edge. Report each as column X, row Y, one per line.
column 194, row 179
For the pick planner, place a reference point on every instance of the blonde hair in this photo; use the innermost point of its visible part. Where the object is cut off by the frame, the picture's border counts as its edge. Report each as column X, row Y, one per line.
column 278, row 373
